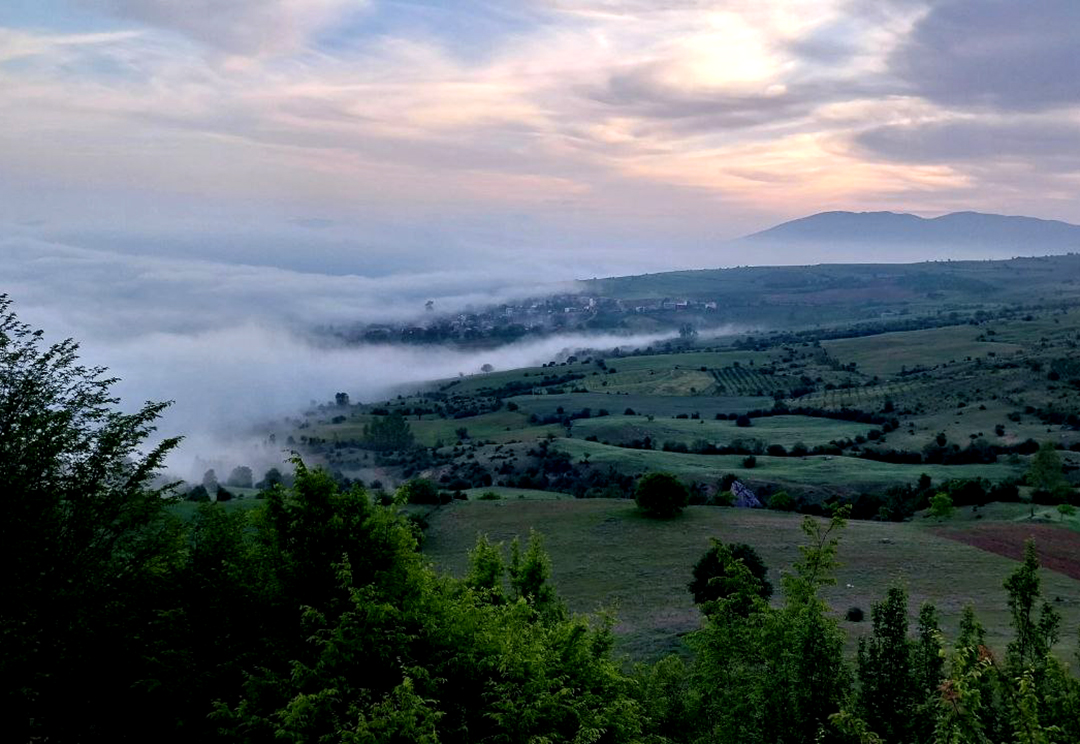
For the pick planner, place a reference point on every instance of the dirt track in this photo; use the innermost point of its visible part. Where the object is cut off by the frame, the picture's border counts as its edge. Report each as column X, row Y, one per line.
column 1058, row 548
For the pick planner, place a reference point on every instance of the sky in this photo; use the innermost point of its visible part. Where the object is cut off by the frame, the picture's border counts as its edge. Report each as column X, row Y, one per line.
column 176, row 177
column 385, row 136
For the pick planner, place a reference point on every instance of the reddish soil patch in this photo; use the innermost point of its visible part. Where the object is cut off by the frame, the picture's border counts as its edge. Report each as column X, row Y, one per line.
column 1058, row 548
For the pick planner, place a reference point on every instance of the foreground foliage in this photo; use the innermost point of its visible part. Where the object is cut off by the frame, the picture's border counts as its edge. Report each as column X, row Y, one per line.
column 314, row 618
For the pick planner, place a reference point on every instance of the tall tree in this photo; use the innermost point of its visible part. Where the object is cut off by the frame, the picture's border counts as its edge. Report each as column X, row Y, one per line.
column 886, row 677
column 85, row 541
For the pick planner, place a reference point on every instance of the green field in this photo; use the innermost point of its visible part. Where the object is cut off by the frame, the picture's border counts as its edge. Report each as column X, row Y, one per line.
column 604, row 554
column 657, row 405
column 500, row 426
column 846, row 473
column 887, row 353
column 517, row 494
column 782, row 430
column 186, row 509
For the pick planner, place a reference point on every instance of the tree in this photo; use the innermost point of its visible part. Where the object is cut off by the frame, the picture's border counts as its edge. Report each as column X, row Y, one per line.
column 390, row 432
column 210, row 481
column 1066, row 510
column 886, row 674
column 712, row 572
column 419, row 491
column 772, row 674
column 1045, row 471
column 341, row 399
column 941, row 505
column 661, row 495
column 84, row 535
column 1034, row 635
column 271, row 478
column 240, row 477
column 782, row 501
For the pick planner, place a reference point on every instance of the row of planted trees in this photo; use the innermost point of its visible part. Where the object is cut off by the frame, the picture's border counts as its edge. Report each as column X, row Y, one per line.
column 314, row 618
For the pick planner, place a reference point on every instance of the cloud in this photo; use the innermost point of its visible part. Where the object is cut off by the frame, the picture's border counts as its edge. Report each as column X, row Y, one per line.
column 995, row 54
column 231, row 385
column 112, row 295
column 1053, row 142
column 568, row 127
column 236, row 347
column 242, row 27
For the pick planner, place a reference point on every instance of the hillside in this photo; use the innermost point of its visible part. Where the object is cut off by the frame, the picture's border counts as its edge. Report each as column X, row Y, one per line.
column 831, row 294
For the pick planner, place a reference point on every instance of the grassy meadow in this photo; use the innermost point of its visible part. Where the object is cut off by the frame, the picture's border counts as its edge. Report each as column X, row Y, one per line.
column 606, row 555
column 818, row 470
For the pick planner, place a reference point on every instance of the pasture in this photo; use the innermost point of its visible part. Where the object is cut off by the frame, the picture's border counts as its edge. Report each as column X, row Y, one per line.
column 839, row 473
column 782, row 430
column 605, row 554
column 888, row 353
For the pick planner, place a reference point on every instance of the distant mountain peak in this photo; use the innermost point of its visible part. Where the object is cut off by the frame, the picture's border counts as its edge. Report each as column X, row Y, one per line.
column 956, row 228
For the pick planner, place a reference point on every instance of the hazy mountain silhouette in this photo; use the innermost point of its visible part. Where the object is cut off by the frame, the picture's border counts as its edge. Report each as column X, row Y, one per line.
column 956, row 229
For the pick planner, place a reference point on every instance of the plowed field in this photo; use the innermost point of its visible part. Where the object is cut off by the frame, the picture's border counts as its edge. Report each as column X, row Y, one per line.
column 1059, row 549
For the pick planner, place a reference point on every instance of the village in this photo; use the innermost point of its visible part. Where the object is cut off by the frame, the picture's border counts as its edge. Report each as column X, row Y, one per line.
column 534, row 316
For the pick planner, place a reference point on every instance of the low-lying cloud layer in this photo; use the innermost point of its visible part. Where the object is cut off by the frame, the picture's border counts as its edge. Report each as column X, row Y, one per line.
column 233, row 346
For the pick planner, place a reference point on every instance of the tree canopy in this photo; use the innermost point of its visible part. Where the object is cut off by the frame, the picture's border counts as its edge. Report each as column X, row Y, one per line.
column 714, row 575
column 661, row 494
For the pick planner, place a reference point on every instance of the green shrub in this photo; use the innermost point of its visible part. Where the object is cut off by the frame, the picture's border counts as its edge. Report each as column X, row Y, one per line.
column 661, row 495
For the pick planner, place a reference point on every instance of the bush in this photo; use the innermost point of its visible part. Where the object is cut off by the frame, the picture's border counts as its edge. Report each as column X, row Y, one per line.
column 420, row 491
column 742, row 420
column 782, row 501
column 854, row 615
column 722, row 498
column 489, row 496
column 749, row 461
column 661, row 495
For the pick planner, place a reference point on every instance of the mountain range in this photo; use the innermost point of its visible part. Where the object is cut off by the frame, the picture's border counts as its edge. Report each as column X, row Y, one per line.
column 959, row 229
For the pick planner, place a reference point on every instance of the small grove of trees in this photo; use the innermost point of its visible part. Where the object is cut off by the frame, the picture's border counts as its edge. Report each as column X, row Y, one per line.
column 387, row 433
column 661, row 495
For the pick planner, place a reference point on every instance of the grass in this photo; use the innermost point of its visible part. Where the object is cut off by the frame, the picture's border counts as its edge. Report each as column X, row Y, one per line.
column 186, row 509
column 657, row 405
column 845, row 473
column 887, row 353
column 499, row 427
column 783, row 430
column 605, row 554
column 517, row 494
column 1013, row 512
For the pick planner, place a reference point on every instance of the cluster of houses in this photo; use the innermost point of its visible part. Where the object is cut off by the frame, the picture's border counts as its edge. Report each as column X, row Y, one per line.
column 513, row 320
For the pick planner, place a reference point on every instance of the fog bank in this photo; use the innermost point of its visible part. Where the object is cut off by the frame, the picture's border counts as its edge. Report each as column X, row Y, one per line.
column 232, row 346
